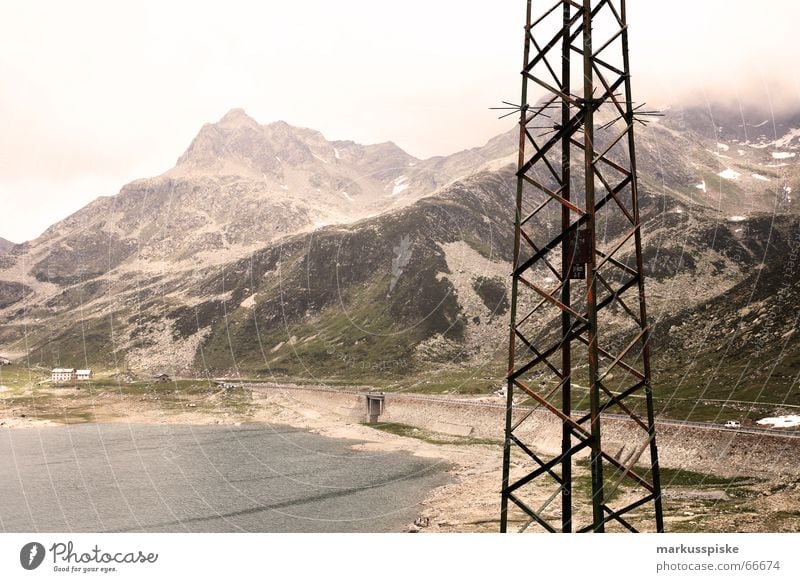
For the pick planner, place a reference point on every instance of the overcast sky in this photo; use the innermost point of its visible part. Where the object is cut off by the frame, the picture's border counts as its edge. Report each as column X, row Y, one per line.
column 96, row 93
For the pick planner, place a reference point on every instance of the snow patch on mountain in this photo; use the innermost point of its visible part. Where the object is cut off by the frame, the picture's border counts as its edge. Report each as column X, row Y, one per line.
column 729, row 174
column 400, row 185
column 786, row 421
column 788, row 138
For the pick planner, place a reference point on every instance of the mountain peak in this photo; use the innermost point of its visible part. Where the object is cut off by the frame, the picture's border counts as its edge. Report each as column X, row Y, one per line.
column 237, row 116
column 238, row 144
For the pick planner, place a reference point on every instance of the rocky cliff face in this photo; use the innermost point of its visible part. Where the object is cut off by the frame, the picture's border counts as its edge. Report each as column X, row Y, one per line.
column 269, row 250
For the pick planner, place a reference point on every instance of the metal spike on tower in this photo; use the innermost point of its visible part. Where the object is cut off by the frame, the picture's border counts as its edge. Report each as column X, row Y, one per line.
column 580, row 449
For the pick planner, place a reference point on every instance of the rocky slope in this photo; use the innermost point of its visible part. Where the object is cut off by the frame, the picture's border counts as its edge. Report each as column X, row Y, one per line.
column 269, row 250
column 737, row 161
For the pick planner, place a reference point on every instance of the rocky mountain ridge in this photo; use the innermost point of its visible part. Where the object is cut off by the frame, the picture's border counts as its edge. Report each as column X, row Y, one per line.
column 214, row 268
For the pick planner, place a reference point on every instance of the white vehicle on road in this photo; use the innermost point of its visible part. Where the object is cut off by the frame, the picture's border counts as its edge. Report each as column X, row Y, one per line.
column 733, row 424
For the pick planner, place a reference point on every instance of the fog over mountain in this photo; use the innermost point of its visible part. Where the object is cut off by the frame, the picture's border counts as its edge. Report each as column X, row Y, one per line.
column 79, row 121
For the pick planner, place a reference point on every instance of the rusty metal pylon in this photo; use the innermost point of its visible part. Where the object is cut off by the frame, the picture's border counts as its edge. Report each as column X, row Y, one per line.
column 578, row 286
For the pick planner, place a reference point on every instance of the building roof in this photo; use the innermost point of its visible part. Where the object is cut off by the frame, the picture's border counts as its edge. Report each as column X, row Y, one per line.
column 84, row 372
column 63, row 370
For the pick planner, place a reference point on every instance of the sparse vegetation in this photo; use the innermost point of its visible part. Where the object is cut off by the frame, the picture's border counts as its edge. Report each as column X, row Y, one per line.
column 96, row 400
column 433, row 438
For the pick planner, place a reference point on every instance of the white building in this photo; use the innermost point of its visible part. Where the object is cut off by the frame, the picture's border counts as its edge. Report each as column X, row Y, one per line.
column 83, row 374
column 63, row 374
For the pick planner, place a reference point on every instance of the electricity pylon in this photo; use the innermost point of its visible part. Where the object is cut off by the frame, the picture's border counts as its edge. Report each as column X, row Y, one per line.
column 579, row 333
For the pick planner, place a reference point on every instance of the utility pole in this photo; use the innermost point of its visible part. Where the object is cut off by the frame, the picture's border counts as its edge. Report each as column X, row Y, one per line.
column 578, row 286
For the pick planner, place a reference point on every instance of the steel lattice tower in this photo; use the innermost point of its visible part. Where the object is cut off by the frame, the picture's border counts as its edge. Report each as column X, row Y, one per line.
column 579, row 334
